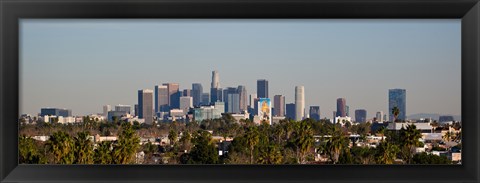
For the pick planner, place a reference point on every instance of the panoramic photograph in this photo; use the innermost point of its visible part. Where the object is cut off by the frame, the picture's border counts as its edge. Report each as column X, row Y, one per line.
column 238, row 91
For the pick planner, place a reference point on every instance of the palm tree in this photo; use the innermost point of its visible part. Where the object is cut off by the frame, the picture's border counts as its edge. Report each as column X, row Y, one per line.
column 395, row 112
column 410, row 139
column 127, row 145
column 83, row 148
column 63, row 147
column 252, row 138
column 303, row 140
column 386, row 153
column 103, row 153
column 270, row 155
column 335, row 144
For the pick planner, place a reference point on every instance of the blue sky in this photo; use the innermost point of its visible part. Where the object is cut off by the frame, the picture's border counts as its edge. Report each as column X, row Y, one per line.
column 85, row 64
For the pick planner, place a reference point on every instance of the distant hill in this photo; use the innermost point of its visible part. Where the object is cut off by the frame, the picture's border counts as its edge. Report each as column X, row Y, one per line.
column 433, row 116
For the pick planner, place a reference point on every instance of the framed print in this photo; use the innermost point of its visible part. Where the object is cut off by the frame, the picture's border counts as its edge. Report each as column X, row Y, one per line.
column 241, row 91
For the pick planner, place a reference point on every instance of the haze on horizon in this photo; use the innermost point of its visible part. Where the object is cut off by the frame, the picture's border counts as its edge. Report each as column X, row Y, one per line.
column 85, row 64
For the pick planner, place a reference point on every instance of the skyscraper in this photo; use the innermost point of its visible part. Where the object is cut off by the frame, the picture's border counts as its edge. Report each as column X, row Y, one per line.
column 242, row 92
column 397, row 98
column 186, row 102
column 123, row 108
column 315, row 112
column 187, row 93
column 215, row 90
column 205, row 99
column 145, row 105
column 290, row 110
column 279, row 105
column 106, row 109
column 173, row 95
column 262, row 88
column 361, row 115
column 379, row 116
column 347, row 110
column 299, row 103
column 161, row 98
column 197, row 91
column 233, row 103
column 252, row 100
column 226, row 92
column 341, row 107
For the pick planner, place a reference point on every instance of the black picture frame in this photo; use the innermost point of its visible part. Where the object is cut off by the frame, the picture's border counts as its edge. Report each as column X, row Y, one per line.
column 11, row 11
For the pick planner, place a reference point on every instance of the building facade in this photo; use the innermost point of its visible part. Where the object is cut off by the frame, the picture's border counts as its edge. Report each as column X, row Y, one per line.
column 361, row 115
column 299, row 103
column 197, row 91
column 315, row 112
column 279, row 105
column 123, row 108
column 341, row 107
column 55, row 112
column 290, row 110
column 397, row 98
column 145, row 105
column 262, row 88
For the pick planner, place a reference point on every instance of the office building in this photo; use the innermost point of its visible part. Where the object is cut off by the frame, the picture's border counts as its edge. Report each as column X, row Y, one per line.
column 361, row 115
column 442, row 119
column 135, row 109
column 265, row 110
column 197, row 91
column 187, row 93
column 228, row 90
column 124, row 108
column 208, row 112
column 290, row 111
column 347, row 110
column 145, row 106
column 161, row 98
column 233, row 103
column 106, row 109
column 315, row 112
column 173, row 95
column 299, row 103
column 115, row 116
column 341, row 107
column 279, row 105
column 262, row 88
column 186, row 103
column 242, row 92
column 397, row 98
column 252, row 100
column 205, row 99
column 215, row 89
column 379, row 116
column 55, row 112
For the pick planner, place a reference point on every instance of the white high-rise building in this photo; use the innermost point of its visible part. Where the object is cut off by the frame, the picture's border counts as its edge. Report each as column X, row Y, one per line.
column 252, row 100
column 215, row 79
column 379, row 116
column 299, row 103
column 106, row 109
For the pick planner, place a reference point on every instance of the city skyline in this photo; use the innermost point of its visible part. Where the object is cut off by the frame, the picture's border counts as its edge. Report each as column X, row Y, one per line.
column 440, row 74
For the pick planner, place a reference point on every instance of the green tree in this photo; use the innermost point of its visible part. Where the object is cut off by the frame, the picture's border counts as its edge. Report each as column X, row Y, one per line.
column 424, row 158
column 127, row 145
column 386, row 153
column 62, row 147
column 172, row 136
column 302, row 140
column 28, row 151
column 103, row 153
column 270, row 155
column 83, row 148
column 335, row 144
column 409, row 138
column 252, row 138
column 203, row 151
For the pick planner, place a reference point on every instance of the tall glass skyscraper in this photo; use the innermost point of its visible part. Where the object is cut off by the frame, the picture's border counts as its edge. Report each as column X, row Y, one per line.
column 397, row 98
column 290, row 110
column 215, row 90
column 161, row 98
column 197, row 91
column 262, row 88
column 242, row 92
column 279, row 105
